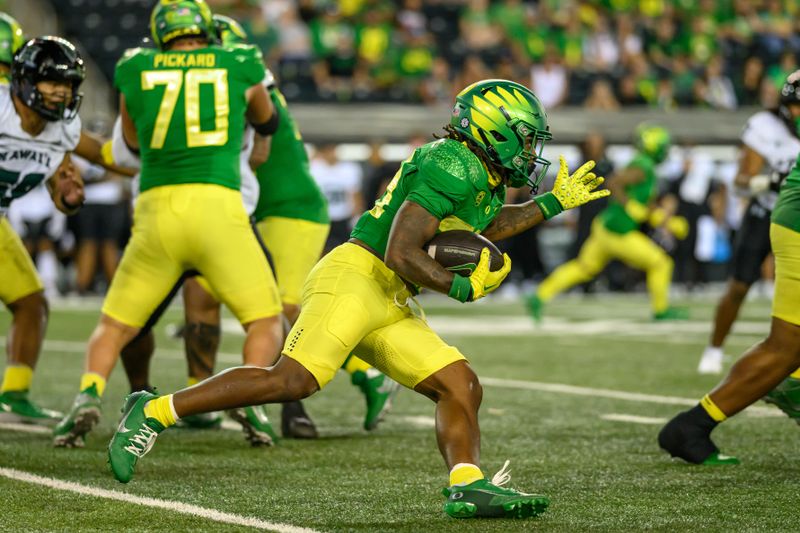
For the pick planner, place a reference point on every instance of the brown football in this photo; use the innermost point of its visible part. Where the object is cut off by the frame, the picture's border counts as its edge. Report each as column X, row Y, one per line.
column 459, row 251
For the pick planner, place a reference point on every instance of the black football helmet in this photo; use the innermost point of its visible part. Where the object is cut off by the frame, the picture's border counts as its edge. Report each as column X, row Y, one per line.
column 790, row 94
column 48, row 59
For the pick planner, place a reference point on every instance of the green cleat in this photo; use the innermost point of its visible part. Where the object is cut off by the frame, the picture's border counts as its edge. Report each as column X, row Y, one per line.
column 83, row 416
column 787, row 397
column 672, row 313
column 201, row 421
column 720, row 459
column 256, row 426
column 489, row 499
column 379, row 390
column 535, row 307
column 134, row 437
column 16, row 406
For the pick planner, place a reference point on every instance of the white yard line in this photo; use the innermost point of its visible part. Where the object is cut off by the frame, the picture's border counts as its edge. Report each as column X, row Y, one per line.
column 561, row 388
column 26, row 428
column 169, row 505
column 618, row 417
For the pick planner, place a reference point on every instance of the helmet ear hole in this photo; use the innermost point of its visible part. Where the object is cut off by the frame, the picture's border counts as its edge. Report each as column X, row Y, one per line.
column 498, row 136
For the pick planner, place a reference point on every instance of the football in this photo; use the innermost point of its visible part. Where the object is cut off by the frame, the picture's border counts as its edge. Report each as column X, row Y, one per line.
column 459, row 251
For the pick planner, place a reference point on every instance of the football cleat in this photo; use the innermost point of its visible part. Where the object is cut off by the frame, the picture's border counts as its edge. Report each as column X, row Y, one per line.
column 682, row 438
column 535, row 307
column 489, row 499
column 255, row 425
column 83, row 416
column 672, row 313
column 295, row 422
column 17, row 407
column 379, row 390
column 711, row 361
column 200, row 421
column 135, row 436
column 787, row 397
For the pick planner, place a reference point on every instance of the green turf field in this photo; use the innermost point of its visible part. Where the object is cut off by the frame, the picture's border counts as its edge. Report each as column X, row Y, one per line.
column 554, row 404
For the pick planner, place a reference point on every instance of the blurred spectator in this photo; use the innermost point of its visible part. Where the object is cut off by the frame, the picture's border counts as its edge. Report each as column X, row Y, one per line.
column 720, row 92
column 550, row 79
column 748, row 84
column 340, row 182
column 601, row 97
column 713, row 247
column 100, row 222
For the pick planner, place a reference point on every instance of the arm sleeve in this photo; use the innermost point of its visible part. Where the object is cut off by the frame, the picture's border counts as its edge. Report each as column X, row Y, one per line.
column 120, row 152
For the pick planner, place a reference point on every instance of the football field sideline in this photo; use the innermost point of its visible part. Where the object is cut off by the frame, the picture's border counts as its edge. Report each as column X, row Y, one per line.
column 156, row 503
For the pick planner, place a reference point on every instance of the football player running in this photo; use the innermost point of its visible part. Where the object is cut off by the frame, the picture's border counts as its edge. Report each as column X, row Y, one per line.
column 766, row 367
column 356, row 299
column 184, row 106
column 615, row 231
column 39, row 127
column 770, row 145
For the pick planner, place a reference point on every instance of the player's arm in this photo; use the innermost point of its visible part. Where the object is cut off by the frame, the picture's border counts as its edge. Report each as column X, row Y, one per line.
column 748, row 180
column 569, row 191
column 260, row 151
column 413, row 226
column 90, row 148
column 264, row 118
column 66, row 187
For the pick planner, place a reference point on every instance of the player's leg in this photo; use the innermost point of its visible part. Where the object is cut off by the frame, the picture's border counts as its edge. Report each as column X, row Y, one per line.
column 293, row 246
column 638, row 251
column 760, row 370
column 591, row 260
column 22, row 292
column 412, row 354
column 751, row 249
column 146, row 273
column 343, row 301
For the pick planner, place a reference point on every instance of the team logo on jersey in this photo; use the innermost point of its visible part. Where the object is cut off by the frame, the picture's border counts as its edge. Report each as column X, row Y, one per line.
column 479, row 198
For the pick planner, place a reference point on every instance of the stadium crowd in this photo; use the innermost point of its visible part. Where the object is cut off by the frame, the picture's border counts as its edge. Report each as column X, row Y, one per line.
column 601, row 54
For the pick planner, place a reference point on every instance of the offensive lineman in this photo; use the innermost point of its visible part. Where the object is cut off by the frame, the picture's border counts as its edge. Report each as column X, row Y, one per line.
column 184, row 106
column 770, row 145
column 356, row 297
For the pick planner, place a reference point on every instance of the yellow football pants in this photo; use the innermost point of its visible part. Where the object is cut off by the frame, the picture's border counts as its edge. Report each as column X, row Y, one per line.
column 18, row 277
column 634, row 249
column 786, row 247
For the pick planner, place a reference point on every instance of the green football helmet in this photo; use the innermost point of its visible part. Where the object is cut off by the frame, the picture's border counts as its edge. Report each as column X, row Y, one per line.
column 11, row 38
column 652, row 140
column 506, row 121
column 229, row 31
column 172, row 19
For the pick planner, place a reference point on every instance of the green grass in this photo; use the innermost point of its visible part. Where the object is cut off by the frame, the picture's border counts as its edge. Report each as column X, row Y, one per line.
column 600, row 475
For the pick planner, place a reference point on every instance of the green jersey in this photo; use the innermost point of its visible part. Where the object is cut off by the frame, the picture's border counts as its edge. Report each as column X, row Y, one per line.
column 787, row 211
column 189, row 111
column 614, row 217
column 287, row 188
column 445, row 178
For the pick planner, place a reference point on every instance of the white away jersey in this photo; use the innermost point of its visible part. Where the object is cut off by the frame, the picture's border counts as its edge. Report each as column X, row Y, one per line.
column 26, row 161
column 766, row 134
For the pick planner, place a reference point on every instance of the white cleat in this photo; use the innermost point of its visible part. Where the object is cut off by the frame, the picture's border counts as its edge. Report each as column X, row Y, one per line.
column 711, row 362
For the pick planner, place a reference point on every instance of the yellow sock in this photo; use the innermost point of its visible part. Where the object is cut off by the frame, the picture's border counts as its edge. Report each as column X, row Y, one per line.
column 659, row 278
column 354, row 364
column 795, row 374
column 464, row 474
column 162, row 410
column 192, row 381
column 712, row 409
column 564, row 277
column 17, row 378
column 91, row 378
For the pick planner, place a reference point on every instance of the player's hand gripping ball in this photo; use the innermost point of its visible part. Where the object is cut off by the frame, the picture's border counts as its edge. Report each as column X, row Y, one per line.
column 472, row 256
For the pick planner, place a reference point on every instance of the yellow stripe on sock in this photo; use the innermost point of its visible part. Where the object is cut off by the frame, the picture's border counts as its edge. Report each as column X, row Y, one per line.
column 161, row 410
column 17, row 378
column 92, row 378
column 464, row 474
column 712, row 409
column 192, row 381
column 795, row 374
